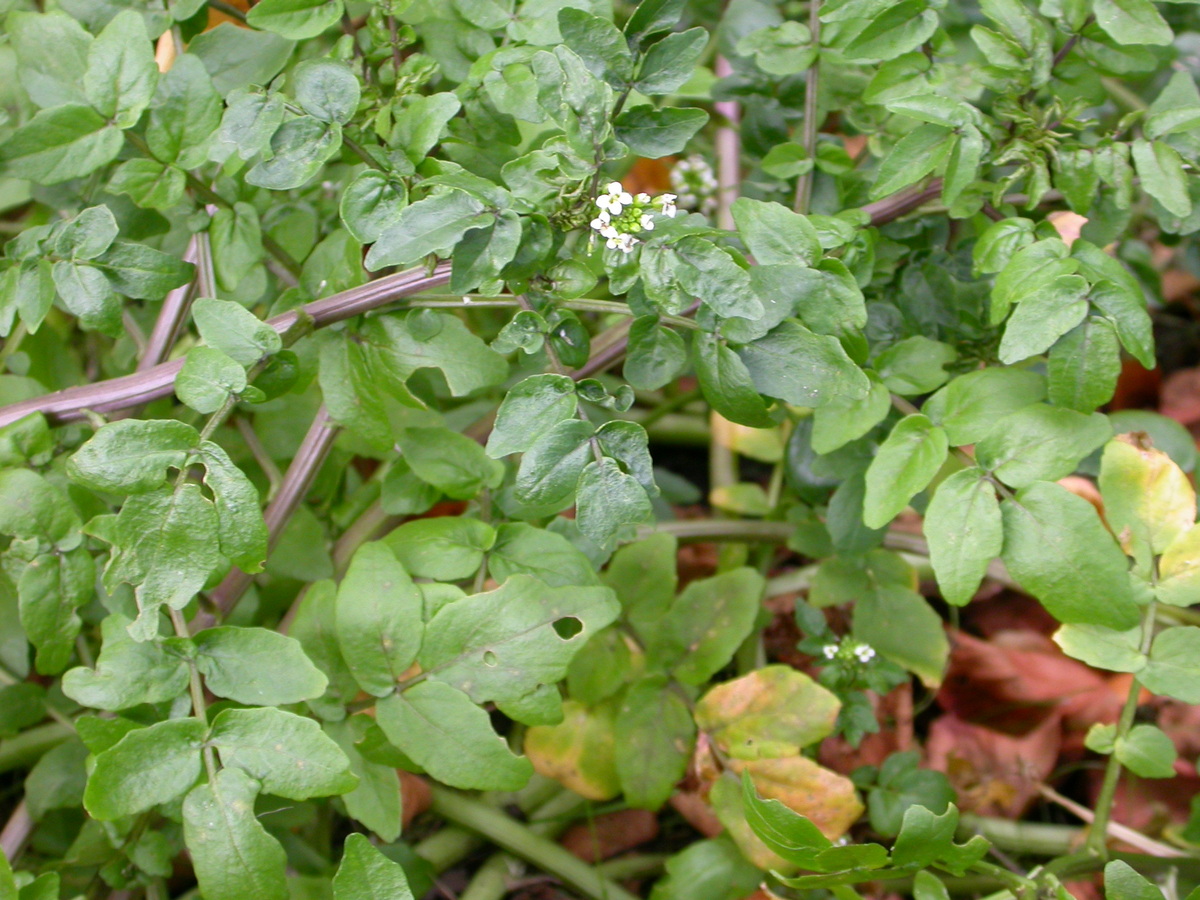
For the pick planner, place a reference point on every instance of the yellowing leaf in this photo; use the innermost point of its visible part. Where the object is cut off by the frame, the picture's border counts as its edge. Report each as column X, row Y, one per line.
column 1145, row 491
column 1179, row 570
column 579, row 752
column 772, row 712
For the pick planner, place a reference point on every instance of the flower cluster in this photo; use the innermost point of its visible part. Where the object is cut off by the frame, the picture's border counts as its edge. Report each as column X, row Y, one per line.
column 693, row 180
column 849, row 650
column 622, row 216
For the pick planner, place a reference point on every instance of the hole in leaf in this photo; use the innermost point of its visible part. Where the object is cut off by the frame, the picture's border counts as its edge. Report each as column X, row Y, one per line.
column 490, row 658
column 567, row 627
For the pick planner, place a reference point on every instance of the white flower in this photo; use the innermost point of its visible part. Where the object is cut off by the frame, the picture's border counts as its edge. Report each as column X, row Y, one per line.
column 643, row 198
column 667, row 204
column 618, row 194
column 608, row 231
column 622, row 242
column 830, row 650
column 647, row 222
column 864, row 653
column 601, row 222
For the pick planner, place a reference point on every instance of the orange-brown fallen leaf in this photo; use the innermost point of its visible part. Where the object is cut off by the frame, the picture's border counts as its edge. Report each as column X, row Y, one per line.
column 607, row 835
column 995, row 774
column 415, row 796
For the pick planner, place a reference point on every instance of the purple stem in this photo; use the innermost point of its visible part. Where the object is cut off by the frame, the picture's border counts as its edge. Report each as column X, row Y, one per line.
column 174, row 310
column 141, row 387
column 296, row 482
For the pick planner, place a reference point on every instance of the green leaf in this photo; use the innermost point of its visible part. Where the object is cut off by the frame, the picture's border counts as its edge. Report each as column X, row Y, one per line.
column 432, row 225
column 236, row 239
column 1122, row 882
column 376, row 801
column 652, row 17
column 843, row 420
column 500, row 645
column 149, row 183
column 146, row 767
column 450, row 737
column 629, row 444
column 32, row 507
column 915, row 365
column 50, row 79
column 185, row 115
column 421, row 124
column 669, row 63
column 1103, row 648
column 425, row 339
column 50, row 590
column 901, row 625
column 655, row 355
column 378, row 618
column 531, row 408
column 803, row 368
column 903, row 785
column 86, row 293
column 1084, row 366
column 727, row 384
column 775, row 234
column 237, row 57
column 784, row 49
column 299, row 149
column 1159, row 165
column 295, row 19
column 232, row 854
column 598, row 43
column 88, row 234
column 1125, row 306
column 446, row 548
column 970, row 406
column 449, row 461
column 927, row 838
column 1057, row 549
column 1147, row 751
column 706, row 623
column 165, row 544
column 59, row 144
column 653, row 736
column 1044, row 316
column 127, row 672
column 916, row 155
column 896, row 29
column 965, row 532
column 142, row 272
column 207, row 379
column 366, row 874
column 371, row 203
column 1132, row 22
column 609, row 502
column 327, row 89
column 1174, row 667
column 523, row 549
column 904, row 465
column 787, row 833
column 288, row 754
column 710, row 274
column 1041, row 443
column 654, row 133
column 550, row 469
column 240, row 526
column 256, row 666
column 231, row 328
column 251, row 118
column 121, row 73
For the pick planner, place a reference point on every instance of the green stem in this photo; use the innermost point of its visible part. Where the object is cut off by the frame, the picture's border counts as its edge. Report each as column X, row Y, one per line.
column 490, row 881
column 229, row 9
column 199, row 707
column 13, row 342
column 804, row 183
column 362, row 154
column 447, row 846
column 1097, row 841
column 511, row 835
column 29, row 746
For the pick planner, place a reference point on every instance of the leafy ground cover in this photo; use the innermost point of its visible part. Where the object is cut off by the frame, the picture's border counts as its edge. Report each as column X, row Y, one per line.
column 548, row 448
